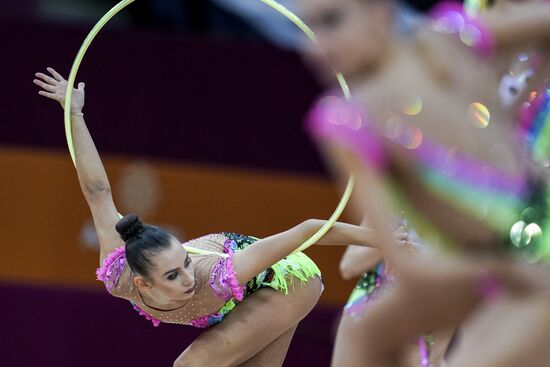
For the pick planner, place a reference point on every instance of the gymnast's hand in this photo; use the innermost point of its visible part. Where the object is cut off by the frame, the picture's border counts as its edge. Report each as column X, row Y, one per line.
column 55, row 86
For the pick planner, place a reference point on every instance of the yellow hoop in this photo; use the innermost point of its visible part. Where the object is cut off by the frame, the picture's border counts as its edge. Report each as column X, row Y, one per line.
column 273, row 4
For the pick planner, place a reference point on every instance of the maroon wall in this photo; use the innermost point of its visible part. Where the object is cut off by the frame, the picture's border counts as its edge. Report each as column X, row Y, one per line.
column 162, row 95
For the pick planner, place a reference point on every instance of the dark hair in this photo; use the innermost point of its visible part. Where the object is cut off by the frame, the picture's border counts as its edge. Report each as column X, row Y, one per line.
column 422, row 6
column 142, row 242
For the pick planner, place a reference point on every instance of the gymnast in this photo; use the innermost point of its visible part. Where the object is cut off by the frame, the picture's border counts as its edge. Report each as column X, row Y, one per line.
column 340, row 21
column 250, row 293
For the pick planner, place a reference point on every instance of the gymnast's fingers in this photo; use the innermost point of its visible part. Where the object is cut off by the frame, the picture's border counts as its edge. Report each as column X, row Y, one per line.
column 46, row 78
column 45, row 86
column 48, row 95
column 55, row 74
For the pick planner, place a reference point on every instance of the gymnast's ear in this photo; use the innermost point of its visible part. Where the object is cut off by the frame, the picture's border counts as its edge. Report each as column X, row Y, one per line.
column 141, row 283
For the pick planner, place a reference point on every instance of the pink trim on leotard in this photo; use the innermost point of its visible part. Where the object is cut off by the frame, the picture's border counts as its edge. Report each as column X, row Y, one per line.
column 201, row 322
column 110, row 271
column 156, row 322
column 344, row 122
column 224, row 283
column 112, row 267
column 223, row 280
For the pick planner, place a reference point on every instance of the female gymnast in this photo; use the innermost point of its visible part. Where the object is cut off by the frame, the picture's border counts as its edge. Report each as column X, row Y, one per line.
column 426, row 132
column 368, row 263
column 149, row 267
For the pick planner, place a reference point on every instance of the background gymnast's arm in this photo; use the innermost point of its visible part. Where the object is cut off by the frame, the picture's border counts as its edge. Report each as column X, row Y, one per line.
column 515, row 25
column 91, row 173
column 357, row 260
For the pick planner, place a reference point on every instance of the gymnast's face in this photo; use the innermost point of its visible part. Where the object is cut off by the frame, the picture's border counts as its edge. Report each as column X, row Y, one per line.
column 353, row 34
column 172, row 278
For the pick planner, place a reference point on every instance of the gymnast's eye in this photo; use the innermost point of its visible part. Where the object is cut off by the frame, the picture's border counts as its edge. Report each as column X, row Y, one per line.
column 172, row 276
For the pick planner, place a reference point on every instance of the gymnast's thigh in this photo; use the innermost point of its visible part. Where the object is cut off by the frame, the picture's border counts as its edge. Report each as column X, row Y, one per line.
column 274, row 354
column 254, row 324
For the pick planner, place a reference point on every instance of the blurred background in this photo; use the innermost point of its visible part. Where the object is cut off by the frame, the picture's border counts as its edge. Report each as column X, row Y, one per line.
column 196, row 108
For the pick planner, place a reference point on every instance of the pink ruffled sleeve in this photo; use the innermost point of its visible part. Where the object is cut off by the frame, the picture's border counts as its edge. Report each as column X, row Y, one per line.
column 223, row 279
column 112, row 268
column 335, row 120
column 156, row 322
column 451, row 18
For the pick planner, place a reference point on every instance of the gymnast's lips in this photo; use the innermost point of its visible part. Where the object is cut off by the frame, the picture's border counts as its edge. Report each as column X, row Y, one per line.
column 190, row 290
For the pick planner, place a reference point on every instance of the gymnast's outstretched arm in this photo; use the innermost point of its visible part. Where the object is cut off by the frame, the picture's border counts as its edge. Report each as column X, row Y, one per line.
column 269, row 250
column 358, row 259
column 91, row 173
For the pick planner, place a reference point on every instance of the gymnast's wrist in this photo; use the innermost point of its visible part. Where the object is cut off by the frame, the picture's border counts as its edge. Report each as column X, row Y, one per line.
column 77, row 113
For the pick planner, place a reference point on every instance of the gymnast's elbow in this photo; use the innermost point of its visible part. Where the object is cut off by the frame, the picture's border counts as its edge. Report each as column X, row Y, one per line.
column 96, row 189
column 347, row 270
column 311, row 225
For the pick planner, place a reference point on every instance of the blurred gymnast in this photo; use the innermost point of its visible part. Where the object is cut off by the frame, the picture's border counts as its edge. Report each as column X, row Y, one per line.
column 363, row 262
column 426, row 133
column 149, row 267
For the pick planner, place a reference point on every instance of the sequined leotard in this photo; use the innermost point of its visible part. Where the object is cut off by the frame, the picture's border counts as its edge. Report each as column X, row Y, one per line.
column 217, row 290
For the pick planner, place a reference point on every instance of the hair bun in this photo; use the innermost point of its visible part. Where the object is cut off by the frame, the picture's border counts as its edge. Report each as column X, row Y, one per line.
column 129, row 227
column 423, row 6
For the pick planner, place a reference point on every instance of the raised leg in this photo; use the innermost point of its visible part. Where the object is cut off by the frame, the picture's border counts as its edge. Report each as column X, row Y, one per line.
column 257, row 322
column 274, row 354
